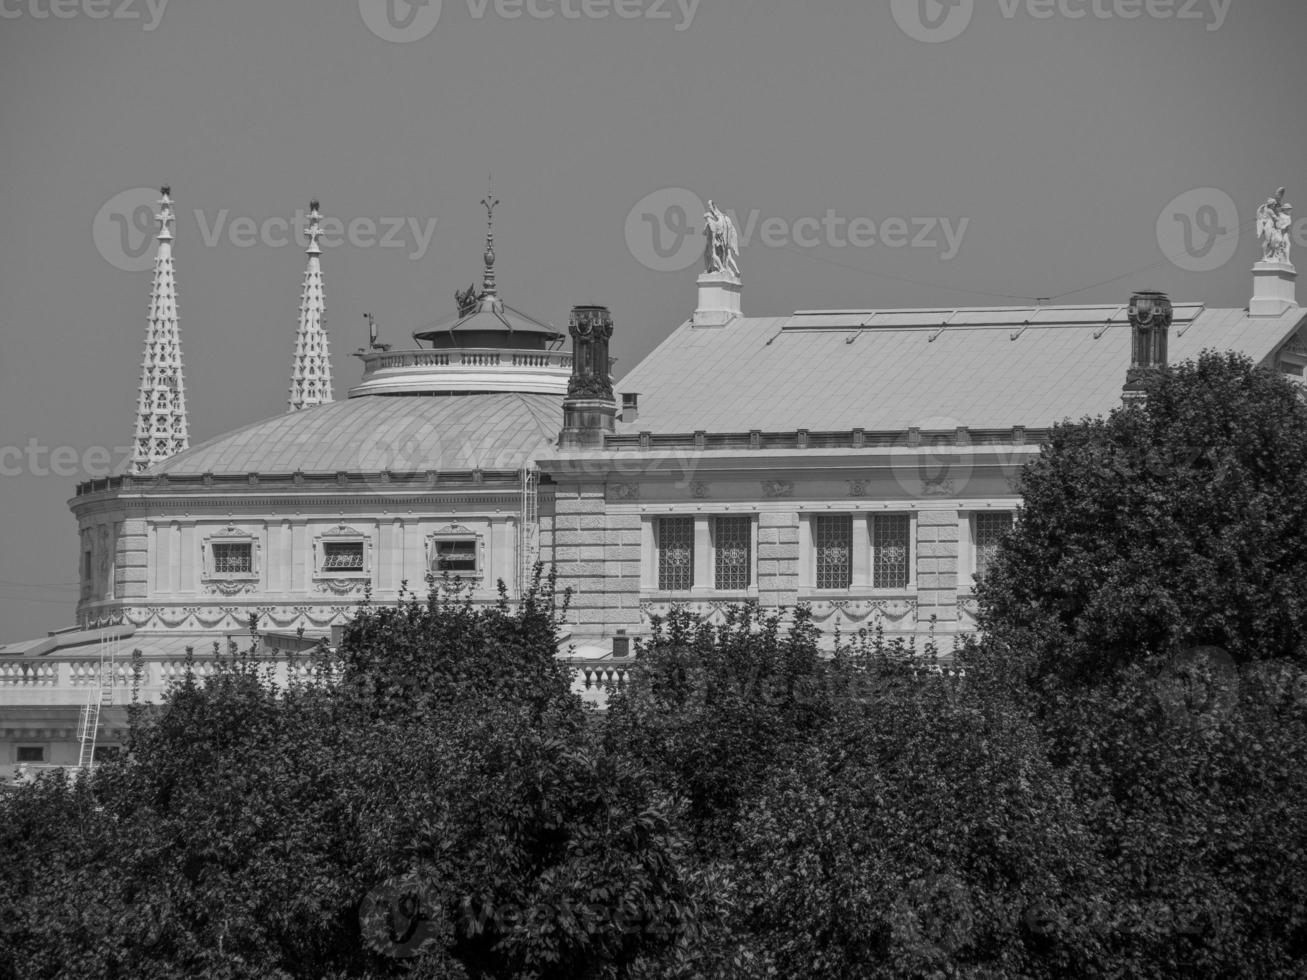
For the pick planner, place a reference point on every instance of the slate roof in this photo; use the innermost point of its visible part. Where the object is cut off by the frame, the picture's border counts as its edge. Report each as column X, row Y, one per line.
column 891, row 370
column 407, row 434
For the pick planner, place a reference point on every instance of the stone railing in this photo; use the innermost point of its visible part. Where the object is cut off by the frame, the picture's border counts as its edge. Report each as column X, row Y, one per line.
column 464, row 369
column 70, row 682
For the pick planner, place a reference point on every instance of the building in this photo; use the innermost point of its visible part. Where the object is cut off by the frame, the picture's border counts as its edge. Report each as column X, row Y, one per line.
column 862, row 461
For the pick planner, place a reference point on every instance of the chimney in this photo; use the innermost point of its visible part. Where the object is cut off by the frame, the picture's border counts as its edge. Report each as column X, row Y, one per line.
column 630, row 406
column 589, row 410
column 1151, row 315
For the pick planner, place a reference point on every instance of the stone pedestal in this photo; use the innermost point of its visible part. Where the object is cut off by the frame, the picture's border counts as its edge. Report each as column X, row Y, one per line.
column 1274, row 289
column 719, row 300
column 586, row 421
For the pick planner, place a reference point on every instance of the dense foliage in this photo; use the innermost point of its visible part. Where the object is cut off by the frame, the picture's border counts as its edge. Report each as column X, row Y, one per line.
column 253, row 830
column 1109, row 783
column 1158, row 529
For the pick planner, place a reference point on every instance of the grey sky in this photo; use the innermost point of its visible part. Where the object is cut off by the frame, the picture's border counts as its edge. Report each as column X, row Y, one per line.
column 1058, row 141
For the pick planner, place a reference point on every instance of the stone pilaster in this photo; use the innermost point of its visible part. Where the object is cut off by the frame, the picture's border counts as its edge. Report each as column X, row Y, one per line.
column 131, row 560
column 937, row 566
column 778, row 559
column 579, row 554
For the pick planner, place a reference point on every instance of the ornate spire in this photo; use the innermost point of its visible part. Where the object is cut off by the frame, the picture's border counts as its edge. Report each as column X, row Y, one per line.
column 161, row 428
column 310, row 372
column 489, row 292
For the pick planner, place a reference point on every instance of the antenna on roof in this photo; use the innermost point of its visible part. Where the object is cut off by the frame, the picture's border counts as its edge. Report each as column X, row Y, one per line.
column 372, row 334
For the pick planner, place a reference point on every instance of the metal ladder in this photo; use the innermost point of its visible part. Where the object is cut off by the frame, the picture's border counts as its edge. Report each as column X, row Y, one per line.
column 88, row 729
column 528, row 531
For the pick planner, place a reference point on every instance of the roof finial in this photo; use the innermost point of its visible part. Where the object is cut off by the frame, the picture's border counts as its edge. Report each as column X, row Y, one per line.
column 161, row 422
column 490, row 202
column 315, row 228
column 165, row 217
column 310, row 373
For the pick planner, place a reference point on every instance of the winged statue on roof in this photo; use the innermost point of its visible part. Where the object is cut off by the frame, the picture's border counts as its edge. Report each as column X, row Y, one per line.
column 1274, row 226
column 723, row 242
column 467, row 300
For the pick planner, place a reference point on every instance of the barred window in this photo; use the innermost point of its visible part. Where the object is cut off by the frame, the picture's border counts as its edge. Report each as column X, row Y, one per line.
column 733, row 552
column 342, row 556
column 990, row 528
column 676, row 554
column 832, row 541
column 891, row 551
column 232, row 558
column 455, row 557
column 31, row 753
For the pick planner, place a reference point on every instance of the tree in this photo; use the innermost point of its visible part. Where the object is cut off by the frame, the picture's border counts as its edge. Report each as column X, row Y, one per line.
column 433, row 799
column 1174, row 525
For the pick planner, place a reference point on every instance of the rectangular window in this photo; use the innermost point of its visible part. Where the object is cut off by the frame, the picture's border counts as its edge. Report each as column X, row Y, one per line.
column 88, row 566
column 733, row 552
column 455, row 558
column 342, row 556
column 676, row 554
column 31, row 753
column 106, row 753
column 232, row 558
column 832, row 543
column 989, row 530
column 891, row 550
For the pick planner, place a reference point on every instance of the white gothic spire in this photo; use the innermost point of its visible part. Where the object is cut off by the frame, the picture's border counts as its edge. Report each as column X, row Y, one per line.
column 161, row 427
column 310, row 371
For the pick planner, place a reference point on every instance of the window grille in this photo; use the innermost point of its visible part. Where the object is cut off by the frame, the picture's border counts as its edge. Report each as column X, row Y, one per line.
column 733, row 558
column 232, row 558
column 342, row 556
column 832, row 540
column 891, row 550
column 31, row 753
column 455, row 557
column 990, row 529
column 676, row 554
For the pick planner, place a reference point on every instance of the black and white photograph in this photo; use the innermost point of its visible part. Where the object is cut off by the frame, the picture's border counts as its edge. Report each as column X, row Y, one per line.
column 653, row 490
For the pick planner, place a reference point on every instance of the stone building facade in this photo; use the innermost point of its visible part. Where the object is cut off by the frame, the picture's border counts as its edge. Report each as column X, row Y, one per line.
column 864, row 462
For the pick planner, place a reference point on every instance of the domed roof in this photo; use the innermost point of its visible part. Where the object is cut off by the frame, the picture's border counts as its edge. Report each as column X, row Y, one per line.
column 413, row 434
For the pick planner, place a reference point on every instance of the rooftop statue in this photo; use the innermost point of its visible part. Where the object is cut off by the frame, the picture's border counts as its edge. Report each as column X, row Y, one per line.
column 723, row 242
column 467, row 300
column 1274, row 225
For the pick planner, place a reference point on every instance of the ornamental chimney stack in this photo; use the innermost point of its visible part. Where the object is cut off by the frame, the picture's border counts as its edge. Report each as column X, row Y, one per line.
column 1151, row 315
column 161, row 423
column 589, row 410
column 310, row 371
